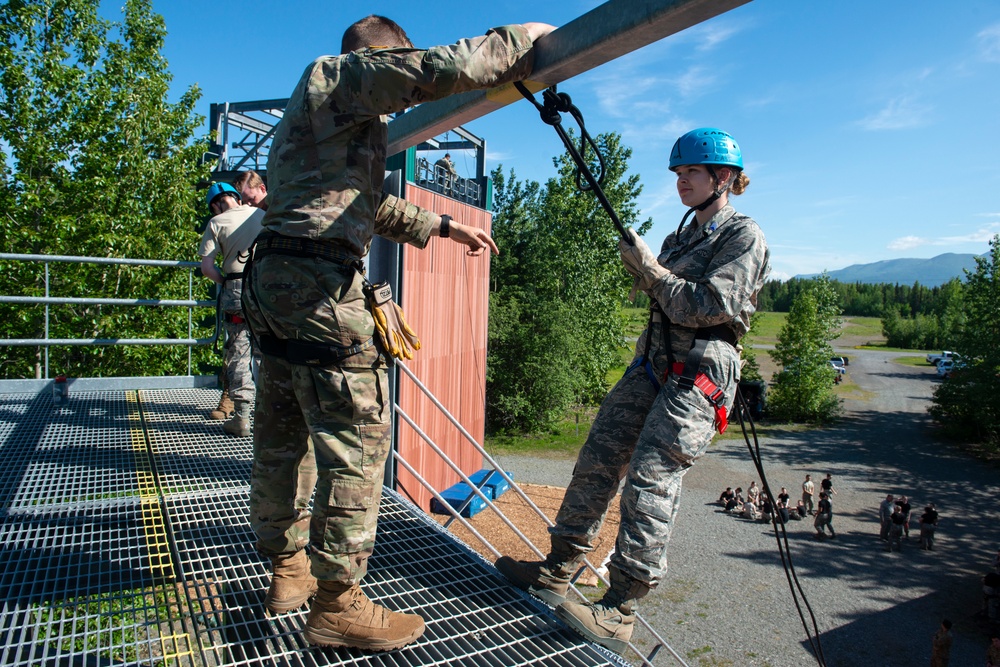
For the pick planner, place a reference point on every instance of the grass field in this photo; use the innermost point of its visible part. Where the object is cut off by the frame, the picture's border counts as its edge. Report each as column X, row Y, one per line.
column 566, row 438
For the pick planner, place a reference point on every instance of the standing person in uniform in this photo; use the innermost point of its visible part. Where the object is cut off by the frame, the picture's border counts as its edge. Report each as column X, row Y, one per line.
column 824, row 517
column 808, row 489
column 446, row 173
column 661, row 416
column 231, row 231
column 885, row 509
column 904, row 508
column 941, row 645
column 827, row 486
column 928, row 525
column 252, row 189
column 993, row 652
column 323, row 383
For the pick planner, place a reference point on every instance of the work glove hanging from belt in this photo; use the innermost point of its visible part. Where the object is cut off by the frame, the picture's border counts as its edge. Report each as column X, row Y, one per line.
column 641, row 263
column 397, row 336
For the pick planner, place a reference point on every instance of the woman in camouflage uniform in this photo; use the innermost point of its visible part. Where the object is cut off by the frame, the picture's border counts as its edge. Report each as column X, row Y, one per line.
column 661, row 416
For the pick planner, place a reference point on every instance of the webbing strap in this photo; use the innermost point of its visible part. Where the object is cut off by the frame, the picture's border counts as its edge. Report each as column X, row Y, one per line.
column 305, row 353
column 271, row 243
column 693, row 363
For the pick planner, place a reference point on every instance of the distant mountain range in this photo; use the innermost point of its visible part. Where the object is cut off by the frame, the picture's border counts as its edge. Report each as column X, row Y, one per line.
column 928, row 272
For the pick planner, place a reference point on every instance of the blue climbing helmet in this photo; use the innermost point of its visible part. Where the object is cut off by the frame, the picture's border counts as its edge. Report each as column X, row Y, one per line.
column 218, row 189
column 706, row 145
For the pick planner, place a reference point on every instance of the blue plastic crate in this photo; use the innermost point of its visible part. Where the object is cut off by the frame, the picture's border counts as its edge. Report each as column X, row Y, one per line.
column 495, row 486
column 456, row 494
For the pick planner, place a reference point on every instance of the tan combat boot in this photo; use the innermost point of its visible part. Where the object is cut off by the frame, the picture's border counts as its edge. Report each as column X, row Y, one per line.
column 292, row 582
column 341, row 615
column 225, row 408
column 609, row 621
column 239, row 423
column 547, row 580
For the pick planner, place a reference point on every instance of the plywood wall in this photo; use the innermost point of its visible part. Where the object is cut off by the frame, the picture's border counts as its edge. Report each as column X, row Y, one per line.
column 445, row 298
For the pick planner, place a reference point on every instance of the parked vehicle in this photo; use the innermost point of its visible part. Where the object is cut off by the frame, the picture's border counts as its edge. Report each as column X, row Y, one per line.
column 841, row 361
column 933, row 359
column 946, row 367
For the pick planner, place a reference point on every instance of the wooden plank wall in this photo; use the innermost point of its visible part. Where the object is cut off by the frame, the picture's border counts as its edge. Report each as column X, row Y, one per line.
column 445, row 298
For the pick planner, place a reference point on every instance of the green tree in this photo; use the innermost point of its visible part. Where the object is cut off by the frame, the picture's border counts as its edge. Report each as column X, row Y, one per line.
column 803, row 389
column 968, row 404
column 751, row 368
column 558, row 287
column 95, row 161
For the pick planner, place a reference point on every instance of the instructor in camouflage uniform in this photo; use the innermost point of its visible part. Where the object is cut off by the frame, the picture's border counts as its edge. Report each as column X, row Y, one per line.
column 661, row 416
column 323, row 382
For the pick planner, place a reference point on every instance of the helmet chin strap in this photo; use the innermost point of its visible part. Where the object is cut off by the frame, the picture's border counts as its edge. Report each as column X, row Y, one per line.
column 714, row 197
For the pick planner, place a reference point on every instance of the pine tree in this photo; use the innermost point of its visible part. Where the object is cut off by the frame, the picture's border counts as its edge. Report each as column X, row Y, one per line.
column 803, row 389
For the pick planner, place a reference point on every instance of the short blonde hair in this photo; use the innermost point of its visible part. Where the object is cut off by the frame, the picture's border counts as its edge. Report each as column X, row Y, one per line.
column 248, row 179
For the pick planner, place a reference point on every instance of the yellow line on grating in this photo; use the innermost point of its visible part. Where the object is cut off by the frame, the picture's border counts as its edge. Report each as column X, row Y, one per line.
column 161, row 563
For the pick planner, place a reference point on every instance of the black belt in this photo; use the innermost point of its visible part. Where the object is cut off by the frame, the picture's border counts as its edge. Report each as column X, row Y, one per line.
column 305, row 353
column 272, row 243
column 232, row 276
column 718, row 332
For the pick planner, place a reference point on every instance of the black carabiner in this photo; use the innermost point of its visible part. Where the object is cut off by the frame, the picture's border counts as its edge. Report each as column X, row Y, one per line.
column 556, row 104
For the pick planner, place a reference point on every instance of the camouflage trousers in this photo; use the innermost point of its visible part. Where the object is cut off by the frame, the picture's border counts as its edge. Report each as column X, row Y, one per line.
column 236, row 359
column 651, row 439
column 237, row 351
column 323, row 427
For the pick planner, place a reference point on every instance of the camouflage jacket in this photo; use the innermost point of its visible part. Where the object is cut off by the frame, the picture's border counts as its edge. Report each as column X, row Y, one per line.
column 327, row 161
column 716, row 270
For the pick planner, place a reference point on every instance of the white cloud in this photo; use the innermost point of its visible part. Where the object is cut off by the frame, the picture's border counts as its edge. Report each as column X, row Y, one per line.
column 989, row 43
column 907, row 243
column 654, row 201
column 694, row 81
column 779, row 275
column 981, row 235
column 901, row 113
column 712, row 35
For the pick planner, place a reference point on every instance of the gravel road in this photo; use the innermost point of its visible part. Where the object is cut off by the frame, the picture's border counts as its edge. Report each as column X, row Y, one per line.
column 726, row 599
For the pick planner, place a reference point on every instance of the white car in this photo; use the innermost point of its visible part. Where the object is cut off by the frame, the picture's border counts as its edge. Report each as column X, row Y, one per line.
column 946, row 367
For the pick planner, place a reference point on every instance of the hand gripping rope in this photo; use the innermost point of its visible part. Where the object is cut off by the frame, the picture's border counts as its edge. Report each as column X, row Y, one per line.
column 557, row 103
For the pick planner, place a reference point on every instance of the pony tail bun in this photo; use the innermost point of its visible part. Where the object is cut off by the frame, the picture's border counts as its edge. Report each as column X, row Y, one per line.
column 740, row 184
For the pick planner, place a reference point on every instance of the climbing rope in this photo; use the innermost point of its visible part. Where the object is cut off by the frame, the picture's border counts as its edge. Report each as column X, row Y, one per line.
column 551, row 110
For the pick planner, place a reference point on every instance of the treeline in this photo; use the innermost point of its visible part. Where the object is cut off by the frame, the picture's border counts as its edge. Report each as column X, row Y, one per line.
column 913, row 316
column 95, row 160
column 865, row 300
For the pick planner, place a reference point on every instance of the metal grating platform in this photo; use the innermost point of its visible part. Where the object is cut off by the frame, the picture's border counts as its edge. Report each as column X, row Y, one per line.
column 126, row 541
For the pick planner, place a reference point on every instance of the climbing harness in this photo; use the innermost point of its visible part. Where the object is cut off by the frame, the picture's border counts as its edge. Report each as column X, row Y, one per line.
column 300, row 352
column 688, row 376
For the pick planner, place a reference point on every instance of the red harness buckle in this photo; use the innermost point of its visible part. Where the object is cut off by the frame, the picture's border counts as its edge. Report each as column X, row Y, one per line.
column 712, row 392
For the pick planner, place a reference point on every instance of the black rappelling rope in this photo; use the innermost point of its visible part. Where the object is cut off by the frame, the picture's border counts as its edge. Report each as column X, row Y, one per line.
column 780, row 535
column 557, row 103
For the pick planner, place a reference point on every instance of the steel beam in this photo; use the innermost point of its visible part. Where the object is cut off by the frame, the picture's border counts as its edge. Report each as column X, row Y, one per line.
column 606, row 32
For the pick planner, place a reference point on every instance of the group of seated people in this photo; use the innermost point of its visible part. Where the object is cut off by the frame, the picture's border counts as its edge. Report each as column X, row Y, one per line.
column 756, row 506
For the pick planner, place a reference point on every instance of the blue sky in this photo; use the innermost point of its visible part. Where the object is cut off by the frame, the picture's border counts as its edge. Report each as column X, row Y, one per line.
column 869, row 129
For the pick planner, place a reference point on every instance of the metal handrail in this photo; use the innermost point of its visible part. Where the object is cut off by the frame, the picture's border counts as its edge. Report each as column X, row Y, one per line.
column 659, row 643
column 47, row 342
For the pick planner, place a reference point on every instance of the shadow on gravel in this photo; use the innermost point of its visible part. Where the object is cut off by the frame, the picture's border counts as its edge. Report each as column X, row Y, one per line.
column 875, row 453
